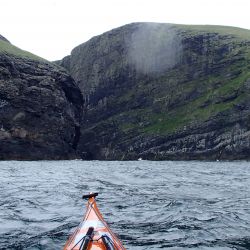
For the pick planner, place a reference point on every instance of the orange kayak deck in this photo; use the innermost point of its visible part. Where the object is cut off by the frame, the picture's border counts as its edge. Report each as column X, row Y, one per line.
column 93, row 233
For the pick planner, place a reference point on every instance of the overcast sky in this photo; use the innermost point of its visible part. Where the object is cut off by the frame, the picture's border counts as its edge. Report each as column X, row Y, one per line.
column 52, row 28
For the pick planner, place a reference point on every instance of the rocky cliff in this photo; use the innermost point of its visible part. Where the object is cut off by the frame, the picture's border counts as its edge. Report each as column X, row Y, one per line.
column 40, row 107
column 162, row 91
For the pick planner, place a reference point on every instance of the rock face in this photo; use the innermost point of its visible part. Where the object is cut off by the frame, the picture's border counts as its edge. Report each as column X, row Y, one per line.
column 40, row 108
column 161, row 91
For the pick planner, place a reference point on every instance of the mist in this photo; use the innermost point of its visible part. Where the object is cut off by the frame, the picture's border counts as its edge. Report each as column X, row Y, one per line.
column 154, row 48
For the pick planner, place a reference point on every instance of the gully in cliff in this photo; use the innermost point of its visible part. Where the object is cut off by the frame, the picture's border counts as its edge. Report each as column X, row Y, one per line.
column 93, row 233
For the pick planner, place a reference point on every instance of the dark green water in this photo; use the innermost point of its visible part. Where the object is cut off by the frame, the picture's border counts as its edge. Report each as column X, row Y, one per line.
column 150, row 205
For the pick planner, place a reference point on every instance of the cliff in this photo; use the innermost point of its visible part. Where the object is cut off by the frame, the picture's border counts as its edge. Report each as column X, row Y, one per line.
column 40, row 107
column 162, row 91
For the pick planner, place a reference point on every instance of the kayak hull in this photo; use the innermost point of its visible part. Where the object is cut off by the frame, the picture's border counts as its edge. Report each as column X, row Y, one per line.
column 94, row 232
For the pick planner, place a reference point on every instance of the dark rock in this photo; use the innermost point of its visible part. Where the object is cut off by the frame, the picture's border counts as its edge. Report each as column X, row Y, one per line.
column 40, row 110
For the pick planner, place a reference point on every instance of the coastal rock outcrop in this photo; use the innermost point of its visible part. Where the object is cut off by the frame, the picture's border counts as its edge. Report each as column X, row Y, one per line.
column 162, row 91
column 40, row 107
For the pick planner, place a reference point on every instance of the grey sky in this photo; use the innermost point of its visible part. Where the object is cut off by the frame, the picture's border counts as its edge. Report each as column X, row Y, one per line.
column 52, row 28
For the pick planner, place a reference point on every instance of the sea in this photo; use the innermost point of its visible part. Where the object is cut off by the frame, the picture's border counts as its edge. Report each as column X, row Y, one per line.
column 148, row 204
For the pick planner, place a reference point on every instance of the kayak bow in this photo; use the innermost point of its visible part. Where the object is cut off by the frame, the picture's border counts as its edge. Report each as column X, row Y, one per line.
column 93, row 233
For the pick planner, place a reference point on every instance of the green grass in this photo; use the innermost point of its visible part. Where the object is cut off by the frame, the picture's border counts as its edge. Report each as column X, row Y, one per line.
column 126, row 127
column 240, row 33
column 7, row 48
column 164, row 124
column 194, row 112
column 168, row 123
column 216, row 91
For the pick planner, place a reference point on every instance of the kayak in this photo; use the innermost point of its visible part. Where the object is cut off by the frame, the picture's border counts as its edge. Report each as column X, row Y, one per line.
column 93, row 233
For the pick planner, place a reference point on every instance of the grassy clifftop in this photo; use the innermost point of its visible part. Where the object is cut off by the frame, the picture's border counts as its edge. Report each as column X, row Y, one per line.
column 235, row 32
column 7, row 48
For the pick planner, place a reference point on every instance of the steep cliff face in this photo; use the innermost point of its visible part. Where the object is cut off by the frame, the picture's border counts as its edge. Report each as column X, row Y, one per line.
column 160, row 91
column 40, row 107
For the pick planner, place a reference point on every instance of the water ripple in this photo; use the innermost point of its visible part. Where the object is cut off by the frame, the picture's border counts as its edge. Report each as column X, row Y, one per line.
column 150, row 205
